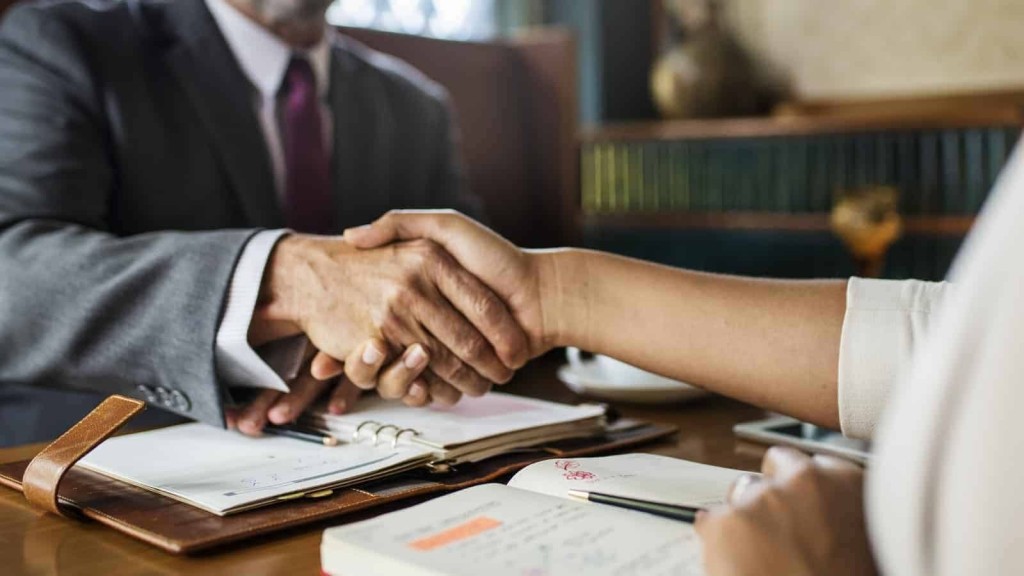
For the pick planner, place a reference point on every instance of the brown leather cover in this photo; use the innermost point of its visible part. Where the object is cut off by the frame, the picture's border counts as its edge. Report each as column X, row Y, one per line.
column 182, row 529
column 44, row 473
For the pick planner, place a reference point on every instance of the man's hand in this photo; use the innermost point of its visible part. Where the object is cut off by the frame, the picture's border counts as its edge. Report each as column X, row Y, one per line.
column 804, row 517
column 272, row 407
column 405, row 294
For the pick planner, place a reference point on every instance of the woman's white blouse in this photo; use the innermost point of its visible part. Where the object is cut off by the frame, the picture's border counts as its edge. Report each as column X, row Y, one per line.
column 945, row 492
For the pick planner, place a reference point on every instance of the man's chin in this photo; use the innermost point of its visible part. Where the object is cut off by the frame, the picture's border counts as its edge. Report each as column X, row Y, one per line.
column 285, row 12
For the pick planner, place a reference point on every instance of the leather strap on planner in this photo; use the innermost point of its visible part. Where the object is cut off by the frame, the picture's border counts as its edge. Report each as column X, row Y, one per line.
column 44, row 473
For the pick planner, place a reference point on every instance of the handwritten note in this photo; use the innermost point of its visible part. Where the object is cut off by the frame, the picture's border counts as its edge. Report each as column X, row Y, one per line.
column 644, row 476
column 497, row 530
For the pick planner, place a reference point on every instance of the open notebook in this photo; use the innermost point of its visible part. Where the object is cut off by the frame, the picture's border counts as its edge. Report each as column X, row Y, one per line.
column 224, row 472
column 470, row 431
column 531, row 527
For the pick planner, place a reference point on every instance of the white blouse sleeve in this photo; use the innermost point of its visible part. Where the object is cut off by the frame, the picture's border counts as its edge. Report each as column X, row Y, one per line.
column 885, row 320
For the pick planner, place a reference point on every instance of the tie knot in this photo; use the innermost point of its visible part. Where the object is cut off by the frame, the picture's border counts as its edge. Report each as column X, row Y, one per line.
column 299, row 76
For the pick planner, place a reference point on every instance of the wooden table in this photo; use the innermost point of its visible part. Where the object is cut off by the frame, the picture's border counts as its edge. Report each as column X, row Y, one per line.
column 34, row 543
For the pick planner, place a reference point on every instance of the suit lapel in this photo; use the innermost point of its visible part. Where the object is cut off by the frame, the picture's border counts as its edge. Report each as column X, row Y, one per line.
column 223, row 98
column 361, row 160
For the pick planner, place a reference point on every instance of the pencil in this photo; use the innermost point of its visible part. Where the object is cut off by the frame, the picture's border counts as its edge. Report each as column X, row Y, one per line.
column 299, row 433
column 671, row 511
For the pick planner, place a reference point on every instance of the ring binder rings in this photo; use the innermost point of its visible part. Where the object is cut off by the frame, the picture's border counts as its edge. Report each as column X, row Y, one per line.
column 394, row 441
column 380, row 428
column 376, row 433
column 359, row 428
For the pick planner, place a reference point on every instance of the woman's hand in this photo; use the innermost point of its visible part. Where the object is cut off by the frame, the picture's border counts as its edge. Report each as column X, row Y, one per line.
column 805, row 516
column 513, row 274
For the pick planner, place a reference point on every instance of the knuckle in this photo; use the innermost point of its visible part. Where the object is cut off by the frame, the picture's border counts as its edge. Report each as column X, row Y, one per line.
column 805, row 478
column 488, row 308
column 474, row 348
column 445, row 365
column 458, row 373
column 390, row 322
column 771, row 498
column 478, row 389
column 400, row 296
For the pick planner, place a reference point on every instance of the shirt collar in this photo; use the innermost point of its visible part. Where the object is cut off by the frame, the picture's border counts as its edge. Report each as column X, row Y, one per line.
column 264, row 57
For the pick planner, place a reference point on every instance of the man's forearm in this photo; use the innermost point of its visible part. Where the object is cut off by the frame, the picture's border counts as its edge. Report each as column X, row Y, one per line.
column 771, row 343
column 82, row 309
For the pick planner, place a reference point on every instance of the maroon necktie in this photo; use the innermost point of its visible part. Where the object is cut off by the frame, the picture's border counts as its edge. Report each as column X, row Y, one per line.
column 307, row 198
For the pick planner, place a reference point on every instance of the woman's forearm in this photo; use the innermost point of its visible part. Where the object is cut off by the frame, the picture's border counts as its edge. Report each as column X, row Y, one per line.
column 768, row 342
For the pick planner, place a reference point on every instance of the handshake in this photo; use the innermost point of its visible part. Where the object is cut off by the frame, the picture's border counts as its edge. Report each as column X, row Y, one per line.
column 422, row 306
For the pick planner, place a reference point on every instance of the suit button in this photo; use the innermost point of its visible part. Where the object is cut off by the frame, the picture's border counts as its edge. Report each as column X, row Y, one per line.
column 148, row 394
column 179, row 401
column 163, row 395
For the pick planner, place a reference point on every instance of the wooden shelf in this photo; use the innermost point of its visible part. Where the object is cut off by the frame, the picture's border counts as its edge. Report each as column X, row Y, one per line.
column 753, row 221
column 672, row 130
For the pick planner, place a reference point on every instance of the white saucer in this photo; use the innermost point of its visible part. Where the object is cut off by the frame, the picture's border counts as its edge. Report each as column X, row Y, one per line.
column 590, row 380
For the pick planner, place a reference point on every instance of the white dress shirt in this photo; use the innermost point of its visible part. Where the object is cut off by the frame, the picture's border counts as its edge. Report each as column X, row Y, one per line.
column 944, row 491
column 264, row 60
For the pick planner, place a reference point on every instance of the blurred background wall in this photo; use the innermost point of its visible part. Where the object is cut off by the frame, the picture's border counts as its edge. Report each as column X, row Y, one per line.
column 885, row 48
column 769, row 137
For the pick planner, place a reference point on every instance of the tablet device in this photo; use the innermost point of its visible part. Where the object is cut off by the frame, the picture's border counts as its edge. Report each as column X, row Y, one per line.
column 785, row 431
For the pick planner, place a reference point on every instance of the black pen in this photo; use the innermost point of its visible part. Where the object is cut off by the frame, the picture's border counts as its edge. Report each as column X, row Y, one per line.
column 299, row 433
column 671, row 511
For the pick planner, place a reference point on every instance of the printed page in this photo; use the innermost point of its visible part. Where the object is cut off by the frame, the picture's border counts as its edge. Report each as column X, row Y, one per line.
column 643, row 476
column 221, row 471
column 497, row 531
column 470, row 420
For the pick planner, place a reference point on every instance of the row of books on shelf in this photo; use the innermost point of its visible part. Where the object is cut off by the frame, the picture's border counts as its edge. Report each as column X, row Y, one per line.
column 937, row 172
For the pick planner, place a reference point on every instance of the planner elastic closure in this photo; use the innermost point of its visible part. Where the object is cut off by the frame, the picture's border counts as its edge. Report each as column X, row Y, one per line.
column 44, row 473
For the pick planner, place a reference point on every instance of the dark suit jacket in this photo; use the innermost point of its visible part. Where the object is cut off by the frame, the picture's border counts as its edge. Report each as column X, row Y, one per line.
column 132, row 173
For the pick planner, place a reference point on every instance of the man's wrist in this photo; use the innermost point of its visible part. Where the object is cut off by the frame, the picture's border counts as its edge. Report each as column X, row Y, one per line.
column 562, row 278
column 277, row 310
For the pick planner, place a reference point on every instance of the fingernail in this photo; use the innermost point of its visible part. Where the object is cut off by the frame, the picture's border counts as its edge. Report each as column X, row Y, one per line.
column 418, row 391
column 280, row 414
column 701, row 515
column 338, row 407
column 371, row 355
column 415, row 358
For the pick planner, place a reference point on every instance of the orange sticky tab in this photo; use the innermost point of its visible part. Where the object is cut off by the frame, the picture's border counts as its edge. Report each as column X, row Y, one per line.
column 451, row 535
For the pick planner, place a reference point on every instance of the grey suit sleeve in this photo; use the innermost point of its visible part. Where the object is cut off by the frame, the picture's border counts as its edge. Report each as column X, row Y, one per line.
column 80, row 307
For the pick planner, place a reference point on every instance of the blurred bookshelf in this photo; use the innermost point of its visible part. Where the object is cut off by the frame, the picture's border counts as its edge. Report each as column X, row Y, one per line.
column 754, row 196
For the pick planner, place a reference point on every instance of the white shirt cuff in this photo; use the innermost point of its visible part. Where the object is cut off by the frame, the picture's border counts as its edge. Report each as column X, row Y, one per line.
column 237, row 363
column 885, row 321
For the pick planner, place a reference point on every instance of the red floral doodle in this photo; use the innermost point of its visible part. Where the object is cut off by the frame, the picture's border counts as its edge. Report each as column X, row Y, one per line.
column 580, row 475
column 567, row 464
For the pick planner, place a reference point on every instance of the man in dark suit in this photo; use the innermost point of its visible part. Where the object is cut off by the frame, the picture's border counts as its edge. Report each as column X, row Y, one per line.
column 152, row 156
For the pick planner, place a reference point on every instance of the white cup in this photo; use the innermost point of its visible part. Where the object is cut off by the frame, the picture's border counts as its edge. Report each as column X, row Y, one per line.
column 617, row 372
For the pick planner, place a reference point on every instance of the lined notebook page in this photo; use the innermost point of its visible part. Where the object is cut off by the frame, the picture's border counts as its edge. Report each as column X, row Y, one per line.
column 502, row 531
column 222, row 471
column 470, row 420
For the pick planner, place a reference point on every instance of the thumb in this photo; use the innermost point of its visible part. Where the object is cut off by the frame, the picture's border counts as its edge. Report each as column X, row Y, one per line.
column 371, row 236
column 399, row 225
